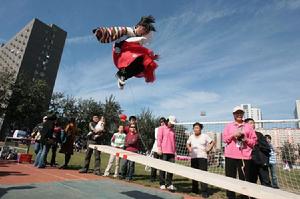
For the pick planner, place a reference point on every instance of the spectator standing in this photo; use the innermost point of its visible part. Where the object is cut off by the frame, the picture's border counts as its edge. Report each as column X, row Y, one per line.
column 199, row 145
column 132, row 145
column 162, row 122
column 260, row 158
column 36, row 135
column 272, row 163
column 55, row 139
column 94, row 137
column 240, row 139
column 46, row 134
column 68, row 139
column 117, row 141
column 166, row 147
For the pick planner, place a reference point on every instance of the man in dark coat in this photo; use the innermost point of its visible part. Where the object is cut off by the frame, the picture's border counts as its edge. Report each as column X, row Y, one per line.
column 46, row 135
column 260, row 158
column 94, row 137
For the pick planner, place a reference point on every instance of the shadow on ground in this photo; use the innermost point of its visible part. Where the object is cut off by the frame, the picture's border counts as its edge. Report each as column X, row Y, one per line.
column 8, row 173
column 3, row 191
column 139, row 195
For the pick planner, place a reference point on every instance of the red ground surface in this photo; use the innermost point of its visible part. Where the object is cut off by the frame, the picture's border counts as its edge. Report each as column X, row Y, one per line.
column 12, row 173
column 15, row 173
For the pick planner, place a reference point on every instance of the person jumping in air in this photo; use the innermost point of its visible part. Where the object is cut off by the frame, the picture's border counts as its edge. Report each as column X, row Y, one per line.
column 129, row 55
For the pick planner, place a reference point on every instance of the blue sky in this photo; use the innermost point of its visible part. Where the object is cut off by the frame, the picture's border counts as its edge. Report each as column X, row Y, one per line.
column 214, row 54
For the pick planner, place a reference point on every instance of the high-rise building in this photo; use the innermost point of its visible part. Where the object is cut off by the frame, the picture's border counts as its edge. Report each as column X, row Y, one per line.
column 297, row 112
column 35, row 53
column 252, row 112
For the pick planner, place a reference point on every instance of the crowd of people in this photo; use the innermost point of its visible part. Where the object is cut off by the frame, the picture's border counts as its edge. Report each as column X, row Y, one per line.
column 247, row 152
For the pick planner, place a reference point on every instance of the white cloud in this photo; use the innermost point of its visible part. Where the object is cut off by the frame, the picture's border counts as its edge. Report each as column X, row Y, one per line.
column 84, row 75
column 289, row 4
column 80, row 39
column 183, row 99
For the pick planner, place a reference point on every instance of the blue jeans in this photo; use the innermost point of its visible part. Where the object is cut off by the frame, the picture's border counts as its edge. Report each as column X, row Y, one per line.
column 41, row 156
column 37, row 147
column 273, row 175
column 127, row 170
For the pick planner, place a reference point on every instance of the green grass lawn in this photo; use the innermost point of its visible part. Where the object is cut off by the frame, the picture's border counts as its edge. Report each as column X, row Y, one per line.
column 287, row 180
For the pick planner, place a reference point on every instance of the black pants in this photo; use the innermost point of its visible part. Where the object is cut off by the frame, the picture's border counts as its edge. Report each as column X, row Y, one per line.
column 162, row 174
column 154, row 170
column 234, row 166
column 53, row 157
column 199, row 163
column 261, row 172
column 88, row 156
column 135, row 68
column 67, row 158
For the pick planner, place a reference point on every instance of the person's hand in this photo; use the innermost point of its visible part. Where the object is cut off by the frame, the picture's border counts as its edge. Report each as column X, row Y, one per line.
column 190, row 149
column 97, row 33
column 159, row 152
column 237, row 134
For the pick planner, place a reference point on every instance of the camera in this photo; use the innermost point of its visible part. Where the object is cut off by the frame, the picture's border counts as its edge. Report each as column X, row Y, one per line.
column 241, row 137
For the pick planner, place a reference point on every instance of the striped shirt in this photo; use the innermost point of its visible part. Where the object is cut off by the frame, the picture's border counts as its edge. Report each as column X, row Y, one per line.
column 118, row 140
column 272, row 159
column 110, row 34
column 118, row 34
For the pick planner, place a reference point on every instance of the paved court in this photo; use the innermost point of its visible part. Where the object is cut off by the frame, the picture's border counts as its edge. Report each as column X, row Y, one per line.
column 91, row 189
column 25, row 181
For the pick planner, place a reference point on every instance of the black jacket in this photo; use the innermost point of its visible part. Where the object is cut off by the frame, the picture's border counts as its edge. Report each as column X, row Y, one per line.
column 261, row 151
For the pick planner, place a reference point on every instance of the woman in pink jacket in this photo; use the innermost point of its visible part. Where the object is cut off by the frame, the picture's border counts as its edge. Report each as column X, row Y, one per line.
column 240, row 139
column 166, row 148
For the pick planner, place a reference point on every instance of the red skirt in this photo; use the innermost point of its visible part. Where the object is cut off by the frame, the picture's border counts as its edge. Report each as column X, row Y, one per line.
column 132, row 50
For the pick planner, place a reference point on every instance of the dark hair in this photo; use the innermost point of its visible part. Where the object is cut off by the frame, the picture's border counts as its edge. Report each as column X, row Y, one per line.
column 132, row 117
column 162, row 119
column 198, row 124
column 72, row 120
column 51, row 116
column 268, row 136
column 248, row 120
column 147, row 21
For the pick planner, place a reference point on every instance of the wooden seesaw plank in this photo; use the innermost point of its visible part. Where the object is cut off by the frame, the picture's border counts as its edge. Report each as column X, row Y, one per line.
column 232, row 184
